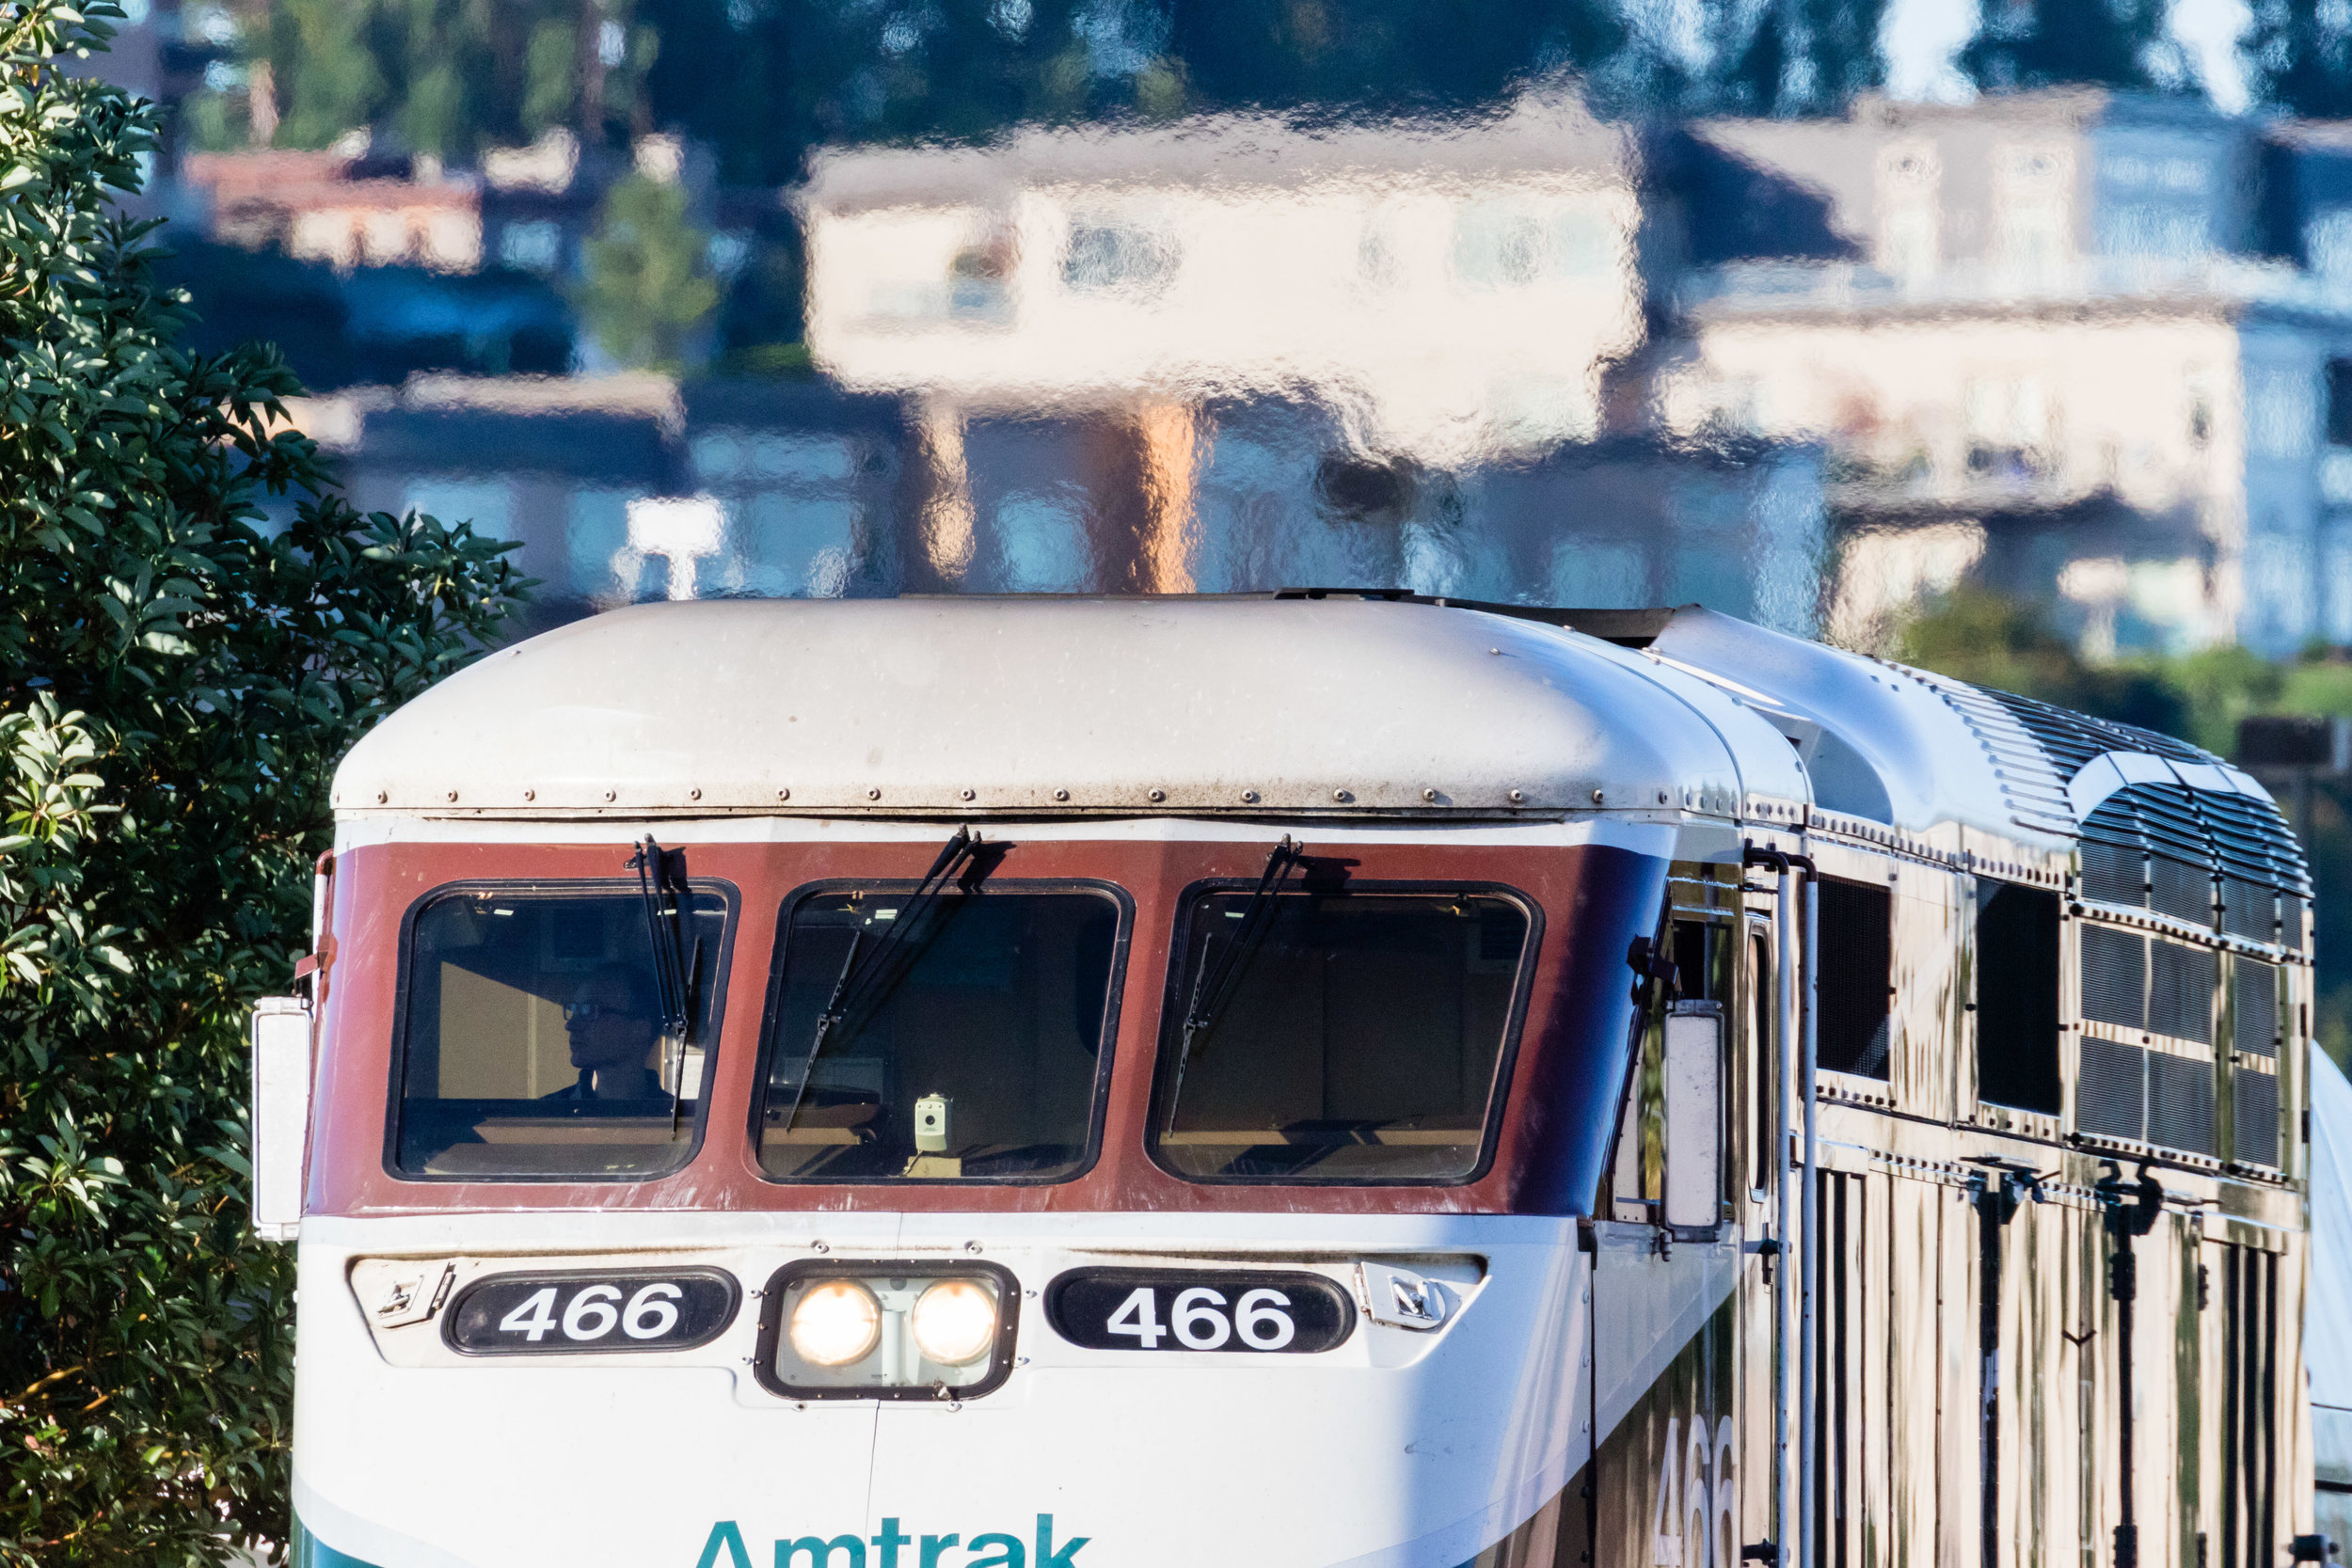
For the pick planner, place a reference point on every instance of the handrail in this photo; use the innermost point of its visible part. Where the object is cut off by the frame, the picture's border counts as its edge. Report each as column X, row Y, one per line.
column 1792, row 1408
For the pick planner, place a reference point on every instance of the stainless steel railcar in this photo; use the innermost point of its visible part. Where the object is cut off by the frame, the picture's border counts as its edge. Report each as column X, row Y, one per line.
column 1316, row 1079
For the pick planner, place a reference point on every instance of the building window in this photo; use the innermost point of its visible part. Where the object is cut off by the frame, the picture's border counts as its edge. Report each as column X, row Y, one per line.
column 534, row 245
column 2340, row 403
column 1118, row 258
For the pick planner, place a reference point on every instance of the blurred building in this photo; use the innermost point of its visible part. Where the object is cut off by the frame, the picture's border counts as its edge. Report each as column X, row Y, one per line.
column 1236, row 353
column 2051, row 342
column 2093, row 349
column 627, row 487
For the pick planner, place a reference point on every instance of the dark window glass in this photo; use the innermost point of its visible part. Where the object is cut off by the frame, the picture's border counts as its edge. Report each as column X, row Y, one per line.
column 1702, row 956
column 966, row 1047
column 2017, row 997
column 2340, row 403
column 532, row 1041
column 1855, row 977
column 1763, row 1083
column 1358, row 1039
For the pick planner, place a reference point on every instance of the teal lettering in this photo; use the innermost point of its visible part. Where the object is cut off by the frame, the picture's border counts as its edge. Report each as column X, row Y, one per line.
column 1046, row 1556
column 1010, row 1554
column 890, row 1541
column 933, row 1545
column 725, row 1534
column 820, row 1552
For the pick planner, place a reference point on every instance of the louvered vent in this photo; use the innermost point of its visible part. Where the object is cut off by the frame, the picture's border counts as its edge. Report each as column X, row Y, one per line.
column 2181, row 984
column 2115, row 976
column 2255, row 1139
column 2254, row 1029
column 2180, row 1104
column 2109, row 1097
column 2191, row 836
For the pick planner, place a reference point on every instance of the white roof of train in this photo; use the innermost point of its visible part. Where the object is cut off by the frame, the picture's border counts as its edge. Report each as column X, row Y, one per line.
column 1244, row 706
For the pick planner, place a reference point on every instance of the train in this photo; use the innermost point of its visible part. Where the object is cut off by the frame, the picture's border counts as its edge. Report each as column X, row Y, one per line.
column 1343, row 1078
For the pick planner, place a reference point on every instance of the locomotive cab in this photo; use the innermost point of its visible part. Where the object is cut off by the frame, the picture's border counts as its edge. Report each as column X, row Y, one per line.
column 1085, row 1083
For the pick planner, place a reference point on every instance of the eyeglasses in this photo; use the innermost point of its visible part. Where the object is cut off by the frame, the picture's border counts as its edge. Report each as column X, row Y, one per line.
column 588, row 1012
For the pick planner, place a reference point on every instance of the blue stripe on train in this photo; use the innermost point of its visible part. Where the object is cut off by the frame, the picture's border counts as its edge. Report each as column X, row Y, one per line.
column 311, row 1552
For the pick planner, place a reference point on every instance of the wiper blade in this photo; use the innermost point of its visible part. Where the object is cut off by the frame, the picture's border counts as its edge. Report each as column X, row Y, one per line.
column 661, row 885
column 1214, row 983
column 855, row 979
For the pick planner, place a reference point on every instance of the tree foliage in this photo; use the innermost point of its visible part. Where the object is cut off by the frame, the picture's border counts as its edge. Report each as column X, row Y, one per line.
column 2298, row 58
column 2044, row 43
column 645, row 285
column 177, row 680
column 449, row 77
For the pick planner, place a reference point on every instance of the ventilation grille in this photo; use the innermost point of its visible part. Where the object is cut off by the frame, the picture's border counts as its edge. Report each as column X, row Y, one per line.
column 2180, row 1104
column 2196, row 835
column 2254, row 1028
column 2115, row 976
column 2181, row 984
column 2074, row 739
column 2291, row 922
column 2254, row 1137
column 2182, row 892
column 2248, row 910
column 2110, row 1098
column 2114, row 874
column 2036, row 795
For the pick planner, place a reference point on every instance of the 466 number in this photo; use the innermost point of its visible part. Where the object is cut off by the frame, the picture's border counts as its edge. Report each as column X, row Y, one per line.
column 651, row 1313
column 524, row 1314
column 1174, row 1310
column 1261, row 1319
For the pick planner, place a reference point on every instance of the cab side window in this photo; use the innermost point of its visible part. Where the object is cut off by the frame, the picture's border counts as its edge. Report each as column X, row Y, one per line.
column 1855, row 977
column 2017, row 997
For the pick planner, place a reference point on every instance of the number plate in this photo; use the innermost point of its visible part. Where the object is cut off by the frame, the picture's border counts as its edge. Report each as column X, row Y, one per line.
column 603, row 1309
column 1165, row 1310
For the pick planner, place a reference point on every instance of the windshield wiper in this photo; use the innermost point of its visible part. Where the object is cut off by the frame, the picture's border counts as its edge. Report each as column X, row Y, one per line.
column 852, row 981
column 662, row 884
column 1211, row 986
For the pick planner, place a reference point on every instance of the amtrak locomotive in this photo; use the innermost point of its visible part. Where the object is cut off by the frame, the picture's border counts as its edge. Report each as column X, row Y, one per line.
column 1337, row 1080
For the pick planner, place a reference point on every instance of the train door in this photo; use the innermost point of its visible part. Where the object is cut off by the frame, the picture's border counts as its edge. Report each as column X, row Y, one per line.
column 1682, row 1475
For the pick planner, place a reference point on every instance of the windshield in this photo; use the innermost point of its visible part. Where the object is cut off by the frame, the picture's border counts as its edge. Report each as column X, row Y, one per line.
column 970, row 1050
column 1359, row 1041
column 532, row 1039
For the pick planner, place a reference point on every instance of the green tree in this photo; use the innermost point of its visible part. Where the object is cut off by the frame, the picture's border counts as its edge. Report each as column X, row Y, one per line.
column 176, row 683
column 646, row 287
column 1989, row 640
column 2298, row 58
column 451, row 77
column 2042, row 43
column 1797, row 56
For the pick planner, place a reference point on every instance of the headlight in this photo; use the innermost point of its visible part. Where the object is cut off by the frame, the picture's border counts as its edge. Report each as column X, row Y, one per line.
column 955, row 1321
column 836, row 1323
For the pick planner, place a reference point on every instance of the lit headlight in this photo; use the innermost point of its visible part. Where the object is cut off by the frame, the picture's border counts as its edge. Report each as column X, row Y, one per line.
column 955, row 1321
column 836, row 1323
column 930, row 1329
